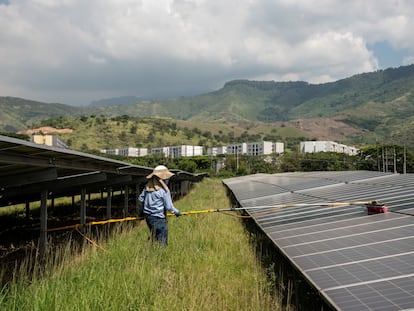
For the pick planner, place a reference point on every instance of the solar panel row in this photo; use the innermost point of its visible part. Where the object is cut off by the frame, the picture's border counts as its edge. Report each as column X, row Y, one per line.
column 357, row 261
column 27, row 168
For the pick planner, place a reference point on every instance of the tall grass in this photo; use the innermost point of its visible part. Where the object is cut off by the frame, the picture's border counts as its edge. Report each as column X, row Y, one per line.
column 208, row 265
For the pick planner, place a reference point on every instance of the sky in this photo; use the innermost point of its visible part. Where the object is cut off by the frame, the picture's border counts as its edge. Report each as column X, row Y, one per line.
column 76, row 51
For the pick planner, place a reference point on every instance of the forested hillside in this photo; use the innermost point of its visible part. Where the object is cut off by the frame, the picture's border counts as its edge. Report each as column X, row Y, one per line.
column 365, row 108
column 18, row 113
column 374, row 94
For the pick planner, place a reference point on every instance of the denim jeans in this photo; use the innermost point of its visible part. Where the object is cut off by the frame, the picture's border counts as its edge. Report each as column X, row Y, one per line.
column 158, row 229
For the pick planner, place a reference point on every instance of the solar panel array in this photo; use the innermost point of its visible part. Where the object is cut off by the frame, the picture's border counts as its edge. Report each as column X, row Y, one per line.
column 356, row 261
column 27, row 168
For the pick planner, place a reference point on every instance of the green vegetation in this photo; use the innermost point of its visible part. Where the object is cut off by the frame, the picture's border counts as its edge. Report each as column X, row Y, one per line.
column 209, row 264
column 14, row 135
column 93, row 133
column 379, row 104
column 375, row 158
column 17, row 113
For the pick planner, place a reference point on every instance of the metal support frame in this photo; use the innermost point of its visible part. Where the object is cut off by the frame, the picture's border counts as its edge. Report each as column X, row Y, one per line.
column 43, row 222
column 125, row 211
column 109, row 203
column 137, row 203
column 83, row 210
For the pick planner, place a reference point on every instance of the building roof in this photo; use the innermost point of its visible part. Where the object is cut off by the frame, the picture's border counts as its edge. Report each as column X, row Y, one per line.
column 355, row 260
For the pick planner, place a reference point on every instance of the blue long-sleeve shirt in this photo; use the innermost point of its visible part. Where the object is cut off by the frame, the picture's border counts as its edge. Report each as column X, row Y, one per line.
column 155, row 201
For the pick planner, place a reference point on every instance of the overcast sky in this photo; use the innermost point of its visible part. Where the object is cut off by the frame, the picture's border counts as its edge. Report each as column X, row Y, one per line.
column 77, row 51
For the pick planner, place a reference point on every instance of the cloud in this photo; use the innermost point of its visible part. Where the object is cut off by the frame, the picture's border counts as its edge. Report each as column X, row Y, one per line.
column 76, row 51
column 408, row 60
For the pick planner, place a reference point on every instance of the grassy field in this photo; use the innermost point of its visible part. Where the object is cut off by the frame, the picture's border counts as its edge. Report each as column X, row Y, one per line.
column 209, row 264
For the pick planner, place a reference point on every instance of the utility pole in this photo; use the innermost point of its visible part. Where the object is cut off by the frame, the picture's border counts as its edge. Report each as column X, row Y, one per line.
column 378, row 160
column 237, row 159
column 405, row 161
column 395, row 162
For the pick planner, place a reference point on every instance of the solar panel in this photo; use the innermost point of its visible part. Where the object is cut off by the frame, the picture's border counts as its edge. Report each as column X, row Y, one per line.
column 357, row 261
column 354, row 254
column 407, row 211
column 383, row 295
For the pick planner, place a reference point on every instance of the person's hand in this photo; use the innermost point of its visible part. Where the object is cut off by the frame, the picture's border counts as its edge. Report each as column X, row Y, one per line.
column 178, row 214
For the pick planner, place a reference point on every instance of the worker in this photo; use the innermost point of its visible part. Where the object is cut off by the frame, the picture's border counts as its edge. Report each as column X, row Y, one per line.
column 156, row 200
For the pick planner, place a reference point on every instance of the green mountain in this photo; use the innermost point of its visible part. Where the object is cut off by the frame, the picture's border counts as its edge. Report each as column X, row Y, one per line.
column 369, row 107
column 115, row 101
column 17, row 113
column 281, row 101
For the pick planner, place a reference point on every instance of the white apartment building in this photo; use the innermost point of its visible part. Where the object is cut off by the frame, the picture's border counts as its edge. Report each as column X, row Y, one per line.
column 316, row 146
column 213, row 151
column 178, row 151
column 351, row 150
column 133, row 152
column 326, row 146
column 161, row 151
column 264, row 147
column 278, row 147
column 185, row 151
column 237, row 148
column 127, row 152
column 109, row 151
column 258, row 148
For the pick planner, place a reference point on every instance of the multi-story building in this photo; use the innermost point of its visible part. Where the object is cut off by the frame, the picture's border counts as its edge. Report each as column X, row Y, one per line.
column 326, row 146
column 109, row 151
column 133, row 152
column 161, row 151
column 127, row 152
column 278, row 147
column 351, row 150
column 264, row 147
column 178, row 151
column 185, row 151
column 214, row 151
column 237, row 148
column 48, row 140
column 256, row 148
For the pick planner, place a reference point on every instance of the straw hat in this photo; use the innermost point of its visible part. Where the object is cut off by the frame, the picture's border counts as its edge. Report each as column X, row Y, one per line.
column 161, row 172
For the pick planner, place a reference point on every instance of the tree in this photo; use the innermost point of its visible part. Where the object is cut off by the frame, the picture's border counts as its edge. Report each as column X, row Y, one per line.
column 122, row 136
column 187, row 165
column 291, row 162
column 133, row 129
column 386, row 158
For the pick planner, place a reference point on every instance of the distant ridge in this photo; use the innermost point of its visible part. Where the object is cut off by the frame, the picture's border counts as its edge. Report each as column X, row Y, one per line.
column 17, row 113
column 115, row 101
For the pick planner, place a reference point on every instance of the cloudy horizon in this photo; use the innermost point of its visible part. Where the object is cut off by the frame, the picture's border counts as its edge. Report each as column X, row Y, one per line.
column 75, row 52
